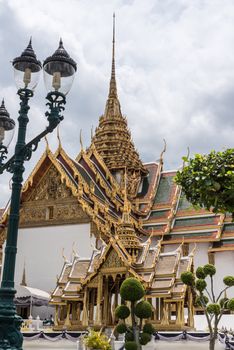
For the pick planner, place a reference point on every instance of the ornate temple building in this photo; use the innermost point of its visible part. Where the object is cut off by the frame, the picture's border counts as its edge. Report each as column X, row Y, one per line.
column 142, row 224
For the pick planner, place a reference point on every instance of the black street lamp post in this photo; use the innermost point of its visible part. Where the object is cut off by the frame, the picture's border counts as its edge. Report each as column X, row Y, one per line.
column 59, row 70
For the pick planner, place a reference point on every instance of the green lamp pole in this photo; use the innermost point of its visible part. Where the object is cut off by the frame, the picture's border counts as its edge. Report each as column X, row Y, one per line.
column 59, row 70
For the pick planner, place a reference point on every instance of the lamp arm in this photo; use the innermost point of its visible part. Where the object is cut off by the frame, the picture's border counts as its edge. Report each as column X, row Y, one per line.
column 56, row 105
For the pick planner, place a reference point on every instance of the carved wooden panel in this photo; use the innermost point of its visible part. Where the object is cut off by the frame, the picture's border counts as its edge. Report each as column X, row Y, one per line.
column 51, row 203
column 112, row 260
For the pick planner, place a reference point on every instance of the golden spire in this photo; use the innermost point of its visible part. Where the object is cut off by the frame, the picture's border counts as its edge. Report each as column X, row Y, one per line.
column 112, row 137
column 23, row 282
column 113, row 87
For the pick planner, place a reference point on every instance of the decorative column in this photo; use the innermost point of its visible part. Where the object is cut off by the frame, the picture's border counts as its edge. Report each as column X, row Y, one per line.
column 105, row 311
column 85, row 313
column 99, row 297
column 78, row 311
column 116, row 298
column 67, row 321
column 56, row 315
column 165, row 319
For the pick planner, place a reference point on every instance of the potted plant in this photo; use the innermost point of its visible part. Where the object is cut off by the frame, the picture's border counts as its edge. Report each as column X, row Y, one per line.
column 97, row 340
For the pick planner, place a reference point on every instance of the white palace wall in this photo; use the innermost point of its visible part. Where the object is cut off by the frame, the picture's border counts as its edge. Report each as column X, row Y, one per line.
column 41, row 251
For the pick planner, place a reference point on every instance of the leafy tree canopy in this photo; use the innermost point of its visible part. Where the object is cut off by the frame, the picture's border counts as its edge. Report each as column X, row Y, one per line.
column 208, row 180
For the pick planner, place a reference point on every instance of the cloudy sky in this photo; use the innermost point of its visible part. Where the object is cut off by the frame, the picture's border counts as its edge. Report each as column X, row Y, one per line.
column 174, row 64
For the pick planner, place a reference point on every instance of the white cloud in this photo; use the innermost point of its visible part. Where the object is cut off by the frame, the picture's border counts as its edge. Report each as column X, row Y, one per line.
column 174, row 63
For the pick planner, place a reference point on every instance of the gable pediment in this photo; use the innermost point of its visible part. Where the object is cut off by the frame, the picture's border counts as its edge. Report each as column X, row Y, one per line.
column 50, row 202
column 112, row 261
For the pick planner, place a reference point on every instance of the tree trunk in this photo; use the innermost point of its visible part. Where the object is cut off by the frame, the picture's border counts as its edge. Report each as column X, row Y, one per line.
column 135, row 328
column 212, row 342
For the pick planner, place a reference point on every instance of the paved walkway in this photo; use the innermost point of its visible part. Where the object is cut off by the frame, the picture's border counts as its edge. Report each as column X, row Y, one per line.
column 160, row 345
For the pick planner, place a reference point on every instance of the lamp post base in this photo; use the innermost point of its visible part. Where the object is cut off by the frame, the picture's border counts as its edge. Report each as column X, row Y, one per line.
column 10, row 322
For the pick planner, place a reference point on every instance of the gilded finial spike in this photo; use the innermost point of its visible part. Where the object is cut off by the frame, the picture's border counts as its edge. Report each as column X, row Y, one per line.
column 91, row 132
column 60, row 43
column 47, row 144
column 23, row 282
column 113, row 89
column 58, row 137
column 163, row 151
column 64, row 257
column 194, row 249
column 30, row 43
column 81, row 141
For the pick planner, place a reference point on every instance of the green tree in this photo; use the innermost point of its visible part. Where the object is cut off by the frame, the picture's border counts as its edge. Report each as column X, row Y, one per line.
column 208, row 180
column 132, row 290
column 213, row 306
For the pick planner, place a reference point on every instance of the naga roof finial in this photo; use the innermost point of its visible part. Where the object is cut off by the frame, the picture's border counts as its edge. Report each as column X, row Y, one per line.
column 58, row 137
column 81, row 141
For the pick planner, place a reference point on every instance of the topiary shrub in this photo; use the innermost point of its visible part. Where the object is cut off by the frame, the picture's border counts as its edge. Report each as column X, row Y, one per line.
column 131, row 345
column 213, row 309
column 145, row 338
column 121, row 328
column 229, row 281
column 188, row 278
column 143, row 309
column 200, row 273
column 129, row 336
column 209, row 270
column 132, row 289
column 148, row 328
column 200, row 285
column 212, row 306
column 122, row 312
column 230, row 304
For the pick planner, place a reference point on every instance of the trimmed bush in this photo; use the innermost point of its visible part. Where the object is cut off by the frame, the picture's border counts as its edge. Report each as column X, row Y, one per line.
column 213, row 309
column 230, row 304
column 228, row 281
column 143, row 309
column 187, row 278
column 121, row 328
column 131, row 289
column 209, row 270
column 129, row 336
column 200, row 284
column 148, row 328
column 200, row 273
column 130, row 345
column 145, row 338
column 122, row 312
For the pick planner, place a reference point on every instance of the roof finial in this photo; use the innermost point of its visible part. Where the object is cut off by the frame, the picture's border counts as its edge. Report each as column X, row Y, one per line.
column 47, row 144
column 113, row 89
column 23, row 282
column 163, row 151
column 81, row 141
column 58, row 137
